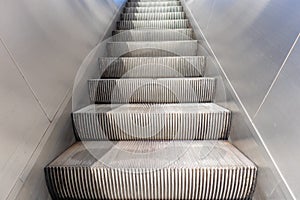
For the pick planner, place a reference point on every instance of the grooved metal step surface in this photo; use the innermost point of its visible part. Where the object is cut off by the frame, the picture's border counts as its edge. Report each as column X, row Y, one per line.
column 153, row 4
column 152, row 67
column 152, row 170
column 153, row 9
column 153, row 16
column 152, row 122
column 155, row 24
column 152, row 130
column 152, row 49
column 166, row 90
column 148, row 0
column 152, row 35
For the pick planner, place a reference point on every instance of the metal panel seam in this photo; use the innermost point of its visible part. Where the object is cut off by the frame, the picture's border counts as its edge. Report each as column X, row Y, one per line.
column 188, row 11
column 31, row 161
column 277, row 75
column 24, row 78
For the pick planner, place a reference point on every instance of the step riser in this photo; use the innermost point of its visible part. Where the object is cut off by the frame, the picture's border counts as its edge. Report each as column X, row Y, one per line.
column 153, row 16
column 192, row 183
column 110, row 125
column 152, row 91
column 152, row 49
column 153, row 4
column 152, row 35
column 152, row 67
column 153, row 9
column 162, row 24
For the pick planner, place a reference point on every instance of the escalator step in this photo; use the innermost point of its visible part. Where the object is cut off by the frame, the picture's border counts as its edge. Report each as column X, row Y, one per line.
column 165, row 90
column 153, row 4
column 151, row 170
column 152, row 67
column 148, row 0
column 153, row 16
column 188, row 121
column 152, row 35
column 152, row 49
column 154, row 24
column 153, row 9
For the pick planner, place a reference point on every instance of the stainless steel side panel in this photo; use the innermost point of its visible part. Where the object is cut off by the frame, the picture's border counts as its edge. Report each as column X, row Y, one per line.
column 42, row 44
column 255, row 46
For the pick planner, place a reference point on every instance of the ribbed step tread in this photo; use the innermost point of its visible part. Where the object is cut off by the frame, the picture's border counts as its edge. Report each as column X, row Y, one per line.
column 166, row 90
column 149, row 0
column 152, row 122
column 152, row 35
column 155, row 24
column 152, row 67
column 153, row 9
column 152, row 170
column 152, row 49
column 153, row 4
column 153, row 16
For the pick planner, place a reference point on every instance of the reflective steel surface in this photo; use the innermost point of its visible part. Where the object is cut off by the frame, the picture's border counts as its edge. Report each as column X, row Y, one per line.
column 278, row 120
column 42, row 45
column 255, row 46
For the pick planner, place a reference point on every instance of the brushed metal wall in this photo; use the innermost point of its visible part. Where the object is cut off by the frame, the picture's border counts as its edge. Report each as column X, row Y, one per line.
column 42, row 44
column 256, row 45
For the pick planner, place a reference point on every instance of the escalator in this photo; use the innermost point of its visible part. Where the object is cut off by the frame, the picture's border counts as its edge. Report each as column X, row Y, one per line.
column 152, row 130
